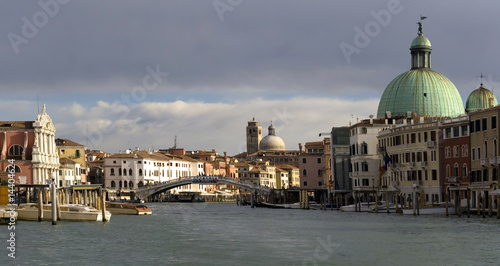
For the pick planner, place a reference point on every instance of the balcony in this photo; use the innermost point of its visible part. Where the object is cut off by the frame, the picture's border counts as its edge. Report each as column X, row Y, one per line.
column 483, row 162
column 411, row 164
column 417, row 183
column 431, row 144
column 423, row 164
column 454, row 179
column 493, row 160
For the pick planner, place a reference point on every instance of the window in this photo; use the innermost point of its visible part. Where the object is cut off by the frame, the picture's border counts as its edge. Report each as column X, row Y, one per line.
column 448, row 170
column 447, row 152
column 447, row 133
column 364, row 166
column 77, row 153
column 305, row 183
column 455, row 170
column 130, row 171
column 464, row 131
column 119, row 172
column 456, row 151
column 320, row 183
column 465, row 150
column 304, row 160
column 473, row 153
column 366, row 182
column 364, row 130
column 485, row 149
column 320, row 172
column 472, row 127
column 131, row 184
column 112, row 171
column 113, row 184
column 124, row 171
column 485, row 124
column 479, row 153
column 16, row 168
column 364, row 148
column 485, row 175
column 478, row 125
column 464, row 171
column 16, row 150
column 319, row 160
column 140, row 172
column 120, row 184
column 456, row 132
column 434, row 174
column 494, row 174
column 304, row 172
column 493, row 122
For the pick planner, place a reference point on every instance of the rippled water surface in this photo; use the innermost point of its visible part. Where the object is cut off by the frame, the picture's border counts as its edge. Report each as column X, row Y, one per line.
column 226, row 234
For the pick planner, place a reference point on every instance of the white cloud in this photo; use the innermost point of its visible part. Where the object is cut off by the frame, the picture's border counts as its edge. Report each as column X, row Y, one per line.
column 200, row 125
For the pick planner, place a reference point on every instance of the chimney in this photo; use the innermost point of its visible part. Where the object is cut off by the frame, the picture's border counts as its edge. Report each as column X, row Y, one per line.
column 300, row 147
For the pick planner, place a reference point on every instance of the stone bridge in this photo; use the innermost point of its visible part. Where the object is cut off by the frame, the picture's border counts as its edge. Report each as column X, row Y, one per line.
column 146, row 191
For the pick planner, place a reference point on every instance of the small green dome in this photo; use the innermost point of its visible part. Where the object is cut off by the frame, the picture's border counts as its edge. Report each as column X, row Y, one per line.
column 421, row 91
column 421, row 42
column 479, row 99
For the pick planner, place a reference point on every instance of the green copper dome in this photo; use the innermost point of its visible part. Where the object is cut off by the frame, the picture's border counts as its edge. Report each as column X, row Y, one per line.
column 421, row 90
column 420, row 42
column 479, row 99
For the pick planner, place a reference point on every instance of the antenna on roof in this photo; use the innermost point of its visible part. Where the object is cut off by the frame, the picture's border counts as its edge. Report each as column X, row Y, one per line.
column 38, row 103
column 175, row 142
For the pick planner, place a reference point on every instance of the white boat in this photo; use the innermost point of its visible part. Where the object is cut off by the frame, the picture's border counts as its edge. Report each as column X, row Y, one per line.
column 365, row 206
column 69, row 212
column 5, row 215
column 127, row 208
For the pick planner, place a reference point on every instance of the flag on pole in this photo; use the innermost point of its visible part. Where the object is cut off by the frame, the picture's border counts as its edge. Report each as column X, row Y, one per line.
column 422, row 17
column 387, row 159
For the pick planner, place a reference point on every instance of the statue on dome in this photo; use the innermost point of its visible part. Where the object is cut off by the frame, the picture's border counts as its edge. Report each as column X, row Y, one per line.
column 419, row 28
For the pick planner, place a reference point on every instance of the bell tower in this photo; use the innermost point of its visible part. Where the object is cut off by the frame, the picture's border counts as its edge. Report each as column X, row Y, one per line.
column 254, row 135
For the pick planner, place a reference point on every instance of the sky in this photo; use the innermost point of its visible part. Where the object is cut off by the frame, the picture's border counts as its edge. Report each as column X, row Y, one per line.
column 120, row 74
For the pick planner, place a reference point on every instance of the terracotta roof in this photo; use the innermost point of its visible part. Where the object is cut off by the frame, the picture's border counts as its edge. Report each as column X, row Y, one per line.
column 6, row 125
column 67, row 143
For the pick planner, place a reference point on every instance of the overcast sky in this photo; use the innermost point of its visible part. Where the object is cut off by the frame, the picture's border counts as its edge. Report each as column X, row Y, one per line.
column 123, row 74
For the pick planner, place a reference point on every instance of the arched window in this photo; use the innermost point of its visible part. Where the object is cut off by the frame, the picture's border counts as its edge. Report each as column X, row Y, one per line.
column 15, row 151
column 465, row 171
column 124, row 171
column 130, row 171
column 113, row 184
column 364, row 148
column 140, row 184
column 304, row 172
column 140, row 172
column 16, row 168
column 119, row 171
column 120, row 184
column 320, row 172
column 465, row 150
column 448, row 169
column 124, row 183
column 455, row 170
column 130, row 184
column 113, row 171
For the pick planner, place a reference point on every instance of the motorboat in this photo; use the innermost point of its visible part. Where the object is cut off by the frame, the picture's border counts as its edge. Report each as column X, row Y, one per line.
column 365, row 206
column 69, row 212
column 128, row 208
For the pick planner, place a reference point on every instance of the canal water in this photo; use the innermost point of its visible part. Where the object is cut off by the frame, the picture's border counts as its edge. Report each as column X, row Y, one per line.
column 226, row 234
